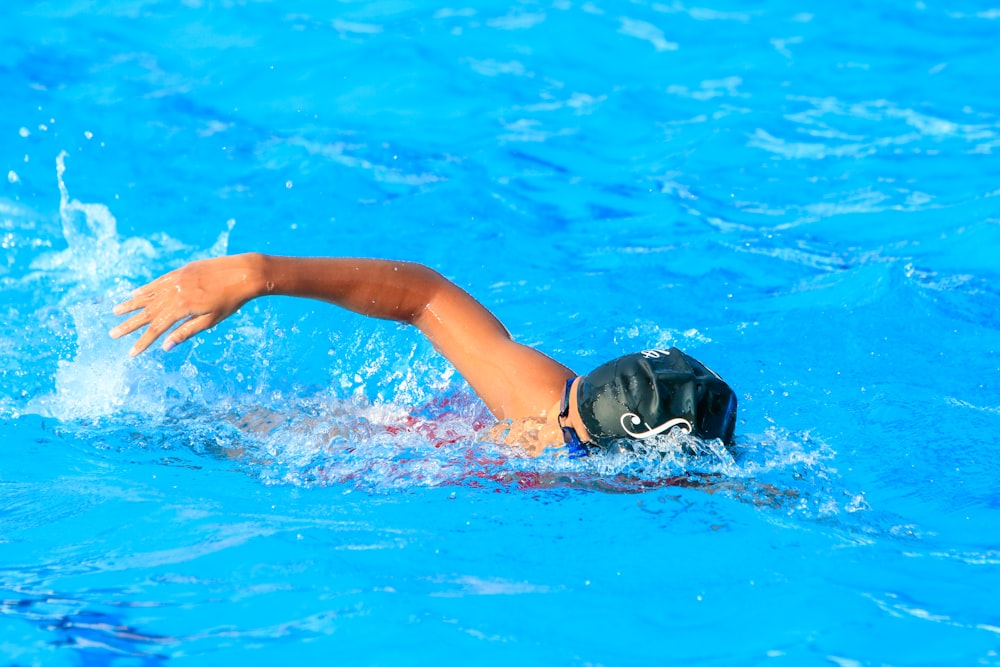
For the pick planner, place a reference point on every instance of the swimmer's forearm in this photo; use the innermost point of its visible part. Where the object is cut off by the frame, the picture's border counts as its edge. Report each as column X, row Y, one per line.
column 385, row 289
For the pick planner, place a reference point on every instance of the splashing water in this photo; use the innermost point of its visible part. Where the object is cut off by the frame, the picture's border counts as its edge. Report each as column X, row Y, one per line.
column 94, row 270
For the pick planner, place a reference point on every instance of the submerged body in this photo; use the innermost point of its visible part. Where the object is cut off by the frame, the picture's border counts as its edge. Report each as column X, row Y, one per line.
column 547, row 403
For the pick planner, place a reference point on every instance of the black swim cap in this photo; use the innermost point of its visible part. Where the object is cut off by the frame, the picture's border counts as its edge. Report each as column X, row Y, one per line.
column 642, row 395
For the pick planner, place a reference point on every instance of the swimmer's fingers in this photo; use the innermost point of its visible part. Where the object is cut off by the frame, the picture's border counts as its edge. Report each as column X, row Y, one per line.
column 151, row 291
column 149, row 307
column 130, row 305
column 131, row 324
column 157, row 326
column 194, row 325
column 126, row 307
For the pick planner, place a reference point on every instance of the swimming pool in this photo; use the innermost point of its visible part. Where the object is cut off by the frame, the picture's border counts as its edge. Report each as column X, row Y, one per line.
column 803, row 196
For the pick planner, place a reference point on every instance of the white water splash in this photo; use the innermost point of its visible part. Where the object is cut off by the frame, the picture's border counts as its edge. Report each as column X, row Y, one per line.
column 95, row 270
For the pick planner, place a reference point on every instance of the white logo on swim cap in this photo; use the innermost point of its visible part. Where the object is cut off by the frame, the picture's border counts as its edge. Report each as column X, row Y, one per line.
column 655, row 354
column 635, row 420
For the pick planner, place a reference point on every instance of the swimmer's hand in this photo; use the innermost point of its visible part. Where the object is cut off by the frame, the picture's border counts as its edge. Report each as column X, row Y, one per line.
column 198, row 295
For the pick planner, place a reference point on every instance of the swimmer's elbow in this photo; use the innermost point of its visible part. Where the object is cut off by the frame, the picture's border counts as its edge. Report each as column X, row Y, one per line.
column 425, row 286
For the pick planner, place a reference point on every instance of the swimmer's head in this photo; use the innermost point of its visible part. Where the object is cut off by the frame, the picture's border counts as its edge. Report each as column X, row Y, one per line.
column 642, row 395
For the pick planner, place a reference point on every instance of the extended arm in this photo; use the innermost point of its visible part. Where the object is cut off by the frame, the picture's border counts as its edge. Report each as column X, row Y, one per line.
column 513, row 380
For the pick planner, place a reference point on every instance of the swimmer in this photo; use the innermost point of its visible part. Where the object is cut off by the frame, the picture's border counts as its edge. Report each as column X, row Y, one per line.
column 634, row 397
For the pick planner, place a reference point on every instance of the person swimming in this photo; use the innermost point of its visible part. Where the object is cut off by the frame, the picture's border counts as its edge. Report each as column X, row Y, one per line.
column 634, row 397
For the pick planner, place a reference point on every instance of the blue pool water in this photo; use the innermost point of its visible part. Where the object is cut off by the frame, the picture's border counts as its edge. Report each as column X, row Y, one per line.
column 804, row 196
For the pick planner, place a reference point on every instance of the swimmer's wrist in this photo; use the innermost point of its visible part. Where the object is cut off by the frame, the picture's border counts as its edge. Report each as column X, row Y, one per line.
column 258, row 267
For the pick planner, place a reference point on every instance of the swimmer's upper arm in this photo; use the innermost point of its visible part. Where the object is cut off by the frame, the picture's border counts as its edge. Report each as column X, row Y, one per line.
column 514, row 380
